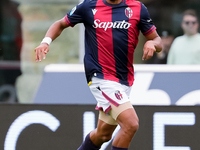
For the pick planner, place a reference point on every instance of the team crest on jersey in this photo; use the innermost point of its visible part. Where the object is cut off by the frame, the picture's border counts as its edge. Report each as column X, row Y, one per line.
column 118, row 95
column 128, row 12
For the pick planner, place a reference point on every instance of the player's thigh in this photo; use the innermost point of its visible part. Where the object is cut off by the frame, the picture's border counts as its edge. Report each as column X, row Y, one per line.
column 128, row 118
column 106, row 124
column 116, row 110
column 107, row 118
column 102, row 133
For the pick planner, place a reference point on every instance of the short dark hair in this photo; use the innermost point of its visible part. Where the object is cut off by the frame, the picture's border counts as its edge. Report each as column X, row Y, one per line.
column 190, row 12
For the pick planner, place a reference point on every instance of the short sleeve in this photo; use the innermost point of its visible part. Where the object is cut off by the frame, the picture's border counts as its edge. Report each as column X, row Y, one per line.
column 75, row 15
column 146, row 24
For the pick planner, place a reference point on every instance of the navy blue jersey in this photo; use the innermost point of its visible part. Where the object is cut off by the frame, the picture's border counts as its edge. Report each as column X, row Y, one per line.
column 111, row 36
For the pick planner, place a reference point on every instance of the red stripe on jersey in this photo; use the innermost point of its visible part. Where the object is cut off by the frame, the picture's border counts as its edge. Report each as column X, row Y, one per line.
column 153, row 28
column 68, row 22
column 105, row 41
column 133, row 34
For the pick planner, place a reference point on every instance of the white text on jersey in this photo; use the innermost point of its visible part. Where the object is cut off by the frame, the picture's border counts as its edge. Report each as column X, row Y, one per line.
column 117, row 24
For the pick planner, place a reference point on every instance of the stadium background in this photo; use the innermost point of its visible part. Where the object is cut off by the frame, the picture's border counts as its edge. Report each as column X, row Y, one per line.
column 37, row 16
column 61, row 127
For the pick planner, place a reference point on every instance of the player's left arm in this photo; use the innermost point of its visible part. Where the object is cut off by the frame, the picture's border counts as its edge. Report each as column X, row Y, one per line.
column 153, row 44
column 147, row 27
column 71, row 19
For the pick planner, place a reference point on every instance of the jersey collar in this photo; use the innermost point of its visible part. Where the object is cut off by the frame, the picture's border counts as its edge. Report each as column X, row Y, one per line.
column 112, row 5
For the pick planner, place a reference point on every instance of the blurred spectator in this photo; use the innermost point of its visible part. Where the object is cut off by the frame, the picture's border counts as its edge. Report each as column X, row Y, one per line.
column 186, row 48
column 10, row 48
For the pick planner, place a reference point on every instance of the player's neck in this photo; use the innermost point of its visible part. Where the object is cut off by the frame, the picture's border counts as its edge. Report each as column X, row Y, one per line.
column 113, row 1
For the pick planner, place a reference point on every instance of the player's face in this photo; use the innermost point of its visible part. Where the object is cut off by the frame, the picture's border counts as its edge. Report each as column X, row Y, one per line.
column 190, row 25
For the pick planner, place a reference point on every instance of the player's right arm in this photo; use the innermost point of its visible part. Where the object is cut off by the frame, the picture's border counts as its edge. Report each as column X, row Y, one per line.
column 53, row 32
column 71, row 19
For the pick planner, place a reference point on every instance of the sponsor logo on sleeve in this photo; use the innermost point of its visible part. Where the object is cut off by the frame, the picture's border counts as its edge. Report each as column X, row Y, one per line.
column 72, row 11
column 149, row 20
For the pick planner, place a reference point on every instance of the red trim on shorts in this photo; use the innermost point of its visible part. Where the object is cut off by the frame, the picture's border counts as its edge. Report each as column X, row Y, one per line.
column 108, row 109
column 109, row 99
column 99, row 108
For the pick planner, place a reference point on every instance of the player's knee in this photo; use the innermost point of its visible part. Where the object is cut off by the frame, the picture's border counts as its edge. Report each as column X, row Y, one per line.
column 105, row 137
column 135, row 126
column 131, row 128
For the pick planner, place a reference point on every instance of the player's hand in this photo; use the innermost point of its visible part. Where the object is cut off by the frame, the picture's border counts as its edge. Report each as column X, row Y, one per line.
column 40, row 51
column 148, row 50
